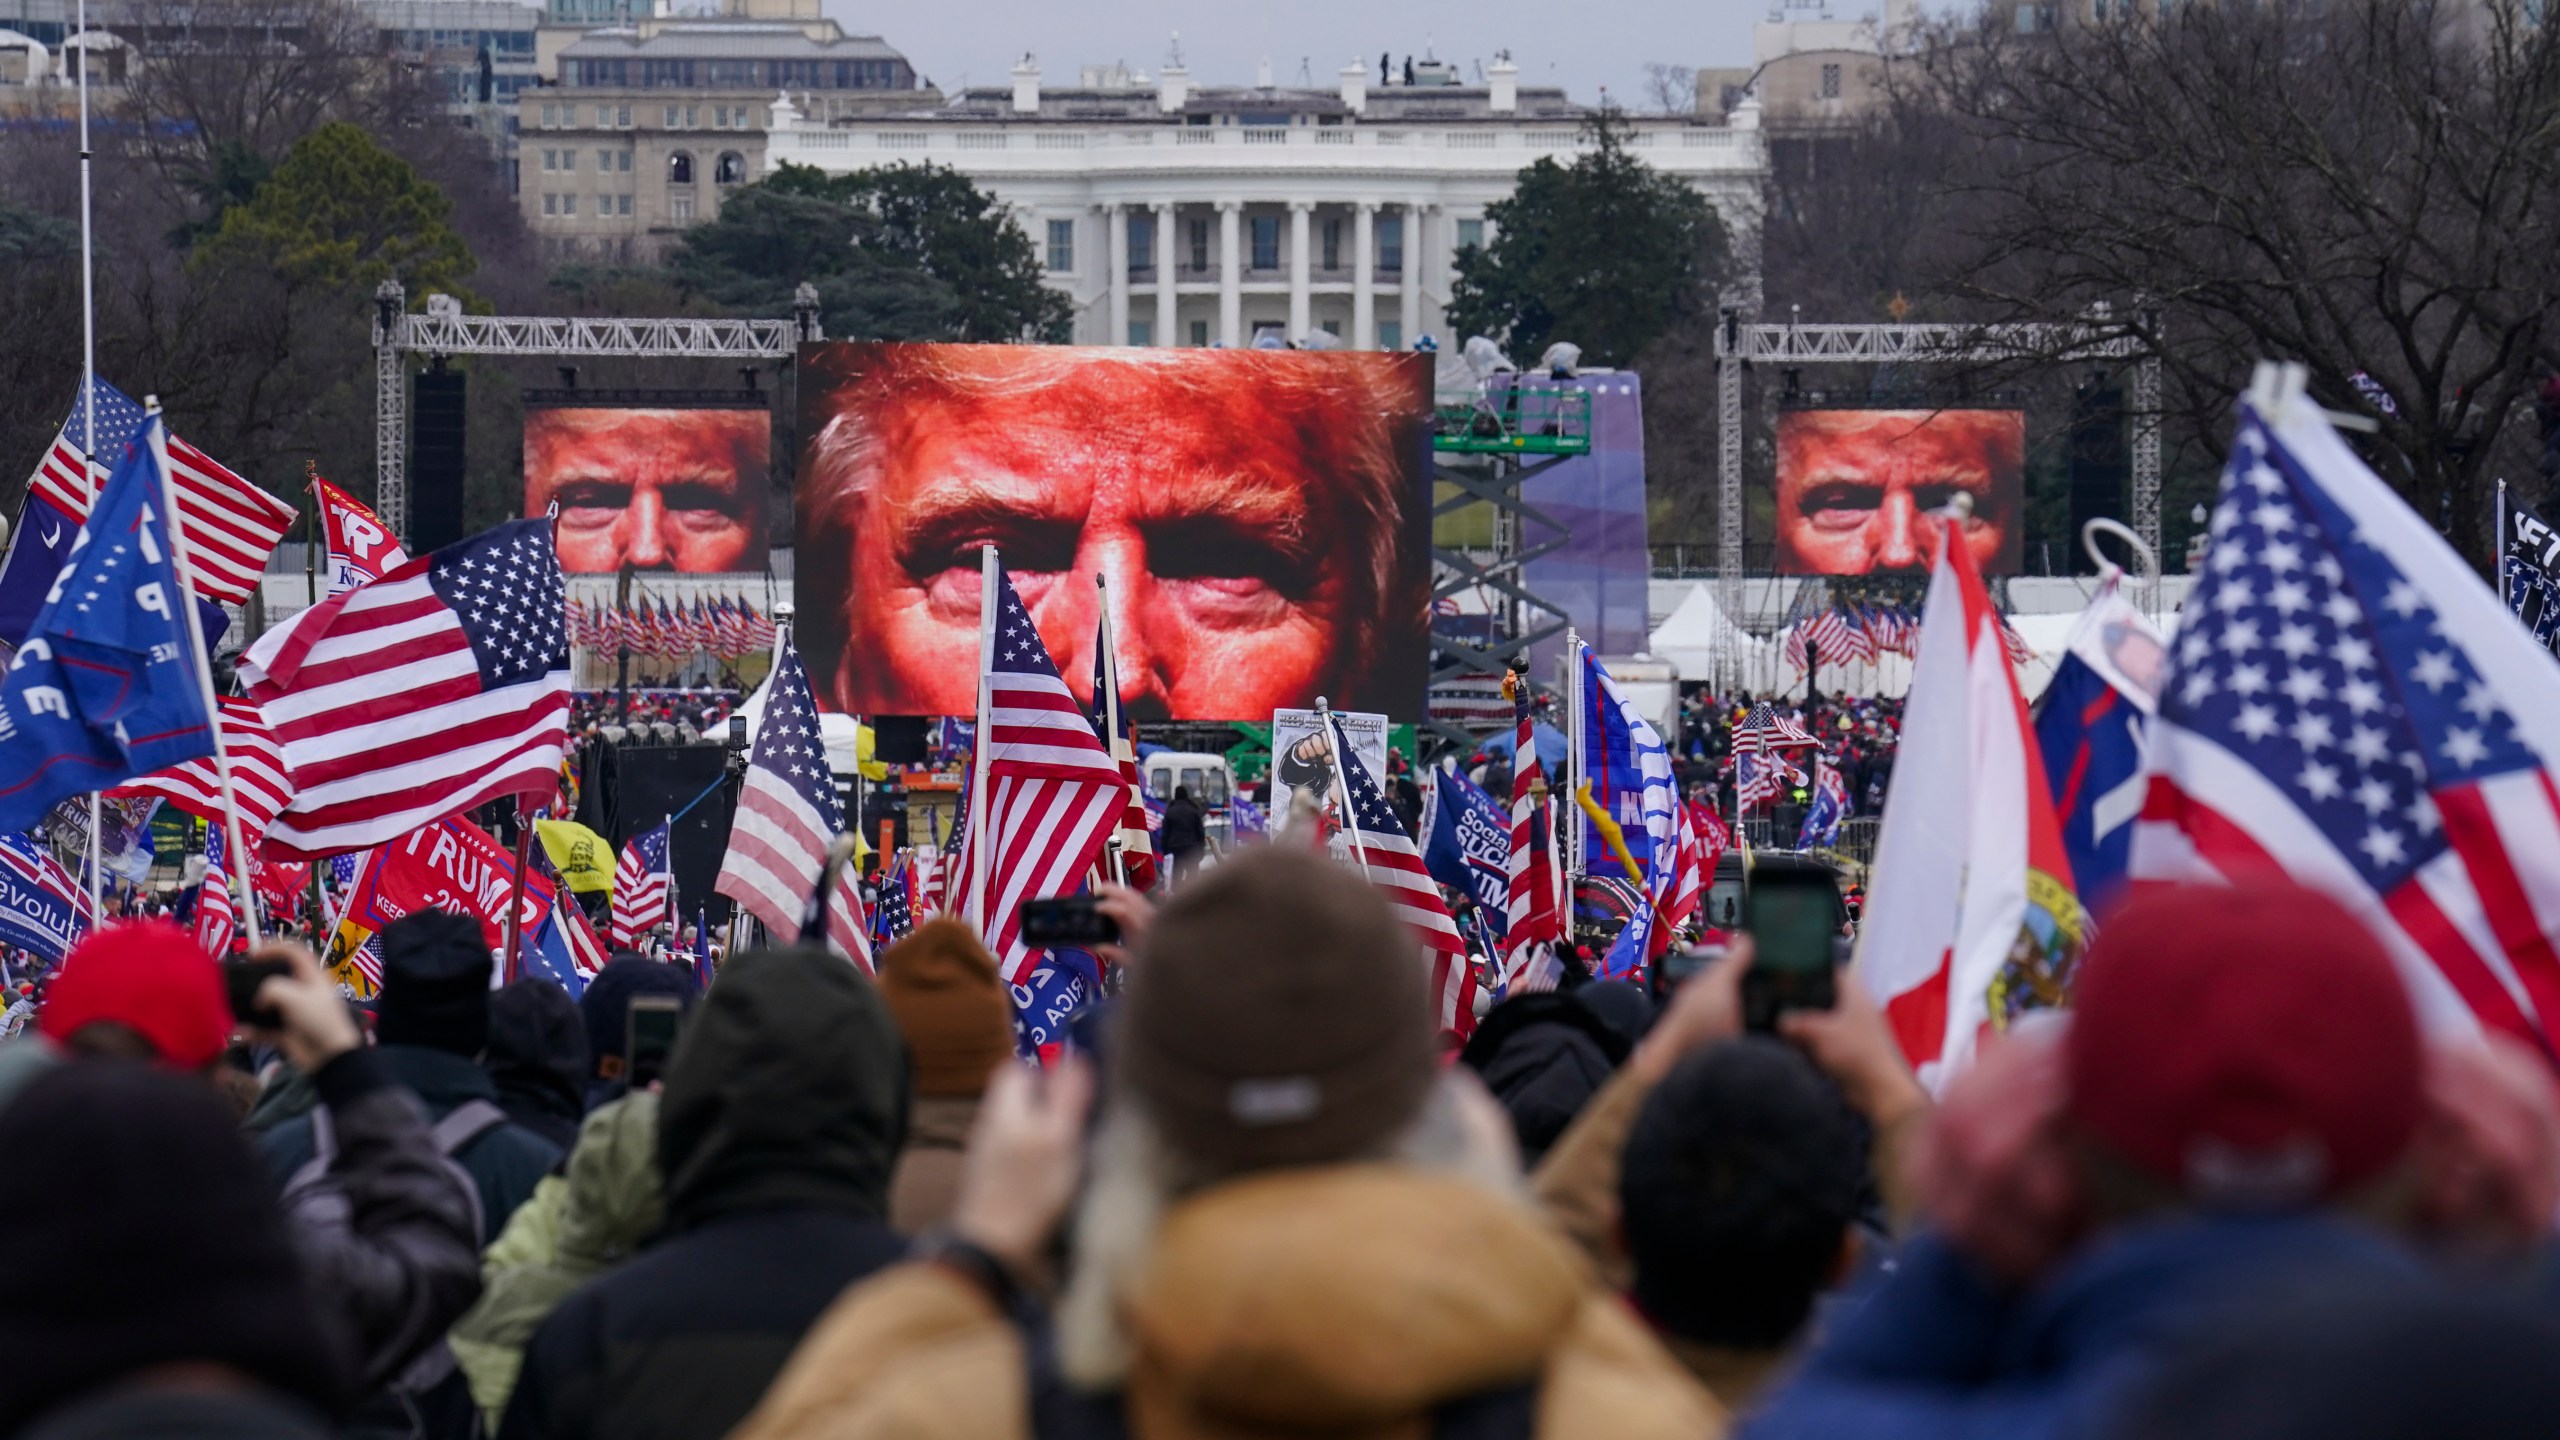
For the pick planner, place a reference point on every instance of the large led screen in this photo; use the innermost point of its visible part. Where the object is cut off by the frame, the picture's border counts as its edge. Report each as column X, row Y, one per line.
column 673, row 488
column 1261, row 519
column 1858, row 489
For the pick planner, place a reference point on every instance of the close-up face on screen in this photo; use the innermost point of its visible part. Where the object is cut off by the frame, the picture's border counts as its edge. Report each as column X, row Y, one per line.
column 657, row 489
column 1261, row 519
column 1857, row 488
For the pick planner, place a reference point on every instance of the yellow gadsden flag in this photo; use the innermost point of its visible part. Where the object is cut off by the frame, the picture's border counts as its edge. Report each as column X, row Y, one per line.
column 582, row 857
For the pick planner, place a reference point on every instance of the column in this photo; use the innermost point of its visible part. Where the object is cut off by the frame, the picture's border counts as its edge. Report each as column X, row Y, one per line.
column 1301, row 302
column 1409, row 300
column 1231, row 273
column 1364, row 275
column 1166, row 264
column 1115, row 221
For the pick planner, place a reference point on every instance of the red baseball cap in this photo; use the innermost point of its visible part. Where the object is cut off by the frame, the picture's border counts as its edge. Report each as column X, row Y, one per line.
column 151, row 977
column 2251, row 1044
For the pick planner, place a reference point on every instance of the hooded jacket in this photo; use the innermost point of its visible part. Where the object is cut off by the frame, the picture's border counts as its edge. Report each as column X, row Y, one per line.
column 537, row 1057
column 1544, row 1056
column 504, row 1162
column 610, row 1202
column 783, row 1113
column 1431, row 1290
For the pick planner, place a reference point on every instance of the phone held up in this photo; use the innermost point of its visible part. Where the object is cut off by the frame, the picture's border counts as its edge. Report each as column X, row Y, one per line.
column 1793, row 911
column 240, row 982
column 1067, row 920
column 651, row 1037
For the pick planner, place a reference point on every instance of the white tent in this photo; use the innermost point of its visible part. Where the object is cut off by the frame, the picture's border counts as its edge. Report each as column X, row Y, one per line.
column 840, row 732
column 1695, row 631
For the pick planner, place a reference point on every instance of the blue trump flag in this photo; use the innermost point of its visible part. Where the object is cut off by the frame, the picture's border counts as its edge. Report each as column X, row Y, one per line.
column 2090, row 724
column 1468, row 847
column 1063, row 982
column 105, row 686
column 41, row 908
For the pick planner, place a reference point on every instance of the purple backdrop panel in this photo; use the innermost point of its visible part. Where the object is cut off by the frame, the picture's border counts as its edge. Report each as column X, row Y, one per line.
column 1602, row 575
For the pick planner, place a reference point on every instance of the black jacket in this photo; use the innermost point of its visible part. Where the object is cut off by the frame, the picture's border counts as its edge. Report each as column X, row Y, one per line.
column 783, row 1114
column 1183, row 831
column 506, row 1163
column 1544, row 1056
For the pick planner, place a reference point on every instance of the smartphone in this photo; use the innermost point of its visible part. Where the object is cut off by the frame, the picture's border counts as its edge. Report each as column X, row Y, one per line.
column 240, row 982
column 1793, row 915
column 1679, row 963
column 651, row 1037
column 1067, row 920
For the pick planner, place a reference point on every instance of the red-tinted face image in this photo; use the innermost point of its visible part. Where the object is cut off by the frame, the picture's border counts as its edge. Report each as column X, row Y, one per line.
column 1260, row 518
column 654, row 489
column 1857, row 489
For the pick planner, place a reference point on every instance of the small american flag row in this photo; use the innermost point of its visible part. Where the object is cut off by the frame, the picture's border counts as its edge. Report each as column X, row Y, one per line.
column 440, row 686
column 717, row 625
column 642, row 886
column 231, row 526
column 1387, row 855
column 788, row 815
column 1052, row 795
column 257, row 775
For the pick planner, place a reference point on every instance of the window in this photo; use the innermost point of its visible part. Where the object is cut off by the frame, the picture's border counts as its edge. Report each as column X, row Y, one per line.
column 568, row 159
column 673, row 115
column 550, row 159
column 604, row 161
column 550, row 204
column 1266, row 242
column 1062, row 246
column 1391, row 245
column 680, row 168
column 568, row 204
column 1830, row 82
column 622, row 203
column 680, row 207
column 1141, row 333
column 1199, row 244
column 1390, row 335
column 622, row 116
column 693, row 117
column 1470, row 234
column 623, row 162
column 1142, row 247
column 731, row 169
column 550, row 117
column 1200, row 332
column 1333, row 328
column 1333, row 244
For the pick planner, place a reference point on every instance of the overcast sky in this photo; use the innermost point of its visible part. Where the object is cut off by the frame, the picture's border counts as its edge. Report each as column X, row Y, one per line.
column 1580, row 46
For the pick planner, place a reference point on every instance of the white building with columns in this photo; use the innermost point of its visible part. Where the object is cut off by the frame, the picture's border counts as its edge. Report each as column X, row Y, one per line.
column 1175, row 215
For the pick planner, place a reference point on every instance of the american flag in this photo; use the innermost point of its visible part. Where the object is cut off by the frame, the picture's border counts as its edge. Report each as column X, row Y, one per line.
column 1052, row 796
column 1137, row 847
column 441, row 686
column 586, row 948
column 1827, row 635
column 257, row 775
column 1857, row 642
column 1758, row 776
column 895, row 914
column 1386, row 854
column 787, row 816
column 1530, row 900
column 231, row 526
column 933, row 864
column 1765, row 728
column 2349, row 704
column 217, row 919
column 641, row 886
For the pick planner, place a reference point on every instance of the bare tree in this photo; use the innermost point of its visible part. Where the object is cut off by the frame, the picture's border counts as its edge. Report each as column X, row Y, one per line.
column 2369, row 187
column 1670, row 89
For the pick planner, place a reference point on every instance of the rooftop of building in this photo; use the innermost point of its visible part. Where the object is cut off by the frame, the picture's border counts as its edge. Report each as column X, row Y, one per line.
column 726, row 39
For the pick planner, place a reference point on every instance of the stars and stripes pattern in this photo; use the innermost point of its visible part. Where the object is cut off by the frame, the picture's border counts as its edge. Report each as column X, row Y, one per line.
column 586, row 948
column 258, row 775
column 2348, row 704
column 231, row 526
column 1053, row 794
column 788, row 815
column 49, row 910
column 1135, row 836
column 217, row 920
column 1765, row 727
column 643, row 888
column 894, row 916
column 1529, row 905
column 441, row 686
column 1383, row 851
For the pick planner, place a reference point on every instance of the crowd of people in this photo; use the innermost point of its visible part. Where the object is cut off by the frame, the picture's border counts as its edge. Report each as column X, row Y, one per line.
column 656, row 716
column 1253, row 1197
column 1859, row 735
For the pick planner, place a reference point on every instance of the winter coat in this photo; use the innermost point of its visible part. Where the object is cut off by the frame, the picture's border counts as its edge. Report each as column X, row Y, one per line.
column 1430, row 1290
column 505, row 1163
column 927, row 1183
column 783, row 1112
column 537, row 1057
column 1543, row 1055
column 570, row 1232
column 1938, row 1352
column 168, row 1412
column 1183, row 830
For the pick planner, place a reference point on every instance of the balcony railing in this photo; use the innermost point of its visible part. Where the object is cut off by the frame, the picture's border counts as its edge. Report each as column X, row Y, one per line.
column 1739, row 149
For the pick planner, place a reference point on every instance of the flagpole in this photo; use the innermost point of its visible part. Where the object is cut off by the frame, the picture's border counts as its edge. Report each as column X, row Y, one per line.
column 1575, row 861
column 181, row 552
column 1341, row 782
column 989, row 568
column 1110, row 698
column 89, row 395
column 2498, row 565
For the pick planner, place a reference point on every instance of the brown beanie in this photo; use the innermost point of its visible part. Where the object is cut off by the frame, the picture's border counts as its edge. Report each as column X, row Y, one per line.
column 1277, row 1014
column 957, row 1018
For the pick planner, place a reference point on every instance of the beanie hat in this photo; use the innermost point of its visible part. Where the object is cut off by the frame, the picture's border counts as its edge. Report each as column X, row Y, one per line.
column 161, row 1244
column 1278, row 1014
column 955, row 1013
column 2252, row 1045
column 605, row 1004
column 435, row 983
column 150, row 977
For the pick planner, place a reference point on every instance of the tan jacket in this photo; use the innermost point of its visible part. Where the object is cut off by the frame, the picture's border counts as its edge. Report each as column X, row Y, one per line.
column 926, row 1184
column 1347, row 1302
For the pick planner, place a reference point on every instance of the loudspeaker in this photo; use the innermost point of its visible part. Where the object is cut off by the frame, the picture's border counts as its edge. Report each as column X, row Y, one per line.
column 436, row 460
column 2100, row 469
column 898, row 739
column 648, row 783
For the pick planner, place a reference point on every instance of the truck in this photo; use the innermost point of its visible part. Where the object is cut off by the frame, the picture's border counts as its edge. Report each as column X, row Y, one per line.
column 1208, row 779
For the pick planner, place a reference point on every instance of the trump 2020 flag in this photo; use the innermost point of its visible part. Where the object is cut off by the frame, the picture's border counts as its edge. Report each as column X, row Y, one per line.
column 106, row 685
column 2348, row 704
column 1469, row 848
column 1971, row 918
column 2089, row 725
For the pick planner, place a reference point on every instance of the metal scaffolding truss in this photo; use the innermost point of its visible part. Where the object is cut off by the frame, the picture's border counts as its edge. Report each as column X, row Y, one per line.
column 445, row 330
column 1523, row 618
column 1739, row 344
